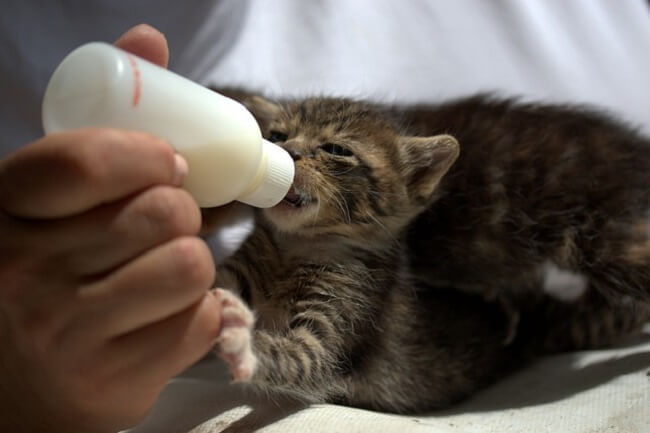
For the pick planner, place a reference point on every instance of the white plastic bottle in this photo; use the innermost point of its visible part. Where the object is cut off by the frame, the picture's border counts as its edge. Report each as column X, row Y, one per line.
column 100, row 85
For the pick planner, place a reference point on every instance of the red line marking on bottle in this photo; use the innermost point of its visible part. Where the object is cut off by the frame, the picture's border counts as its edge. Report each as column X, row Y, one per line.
column 137, row 82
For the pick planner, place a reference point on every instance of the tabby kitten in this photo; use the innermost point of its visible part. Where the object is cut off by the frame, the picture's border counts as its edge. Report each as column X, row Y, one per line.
column 352, row 303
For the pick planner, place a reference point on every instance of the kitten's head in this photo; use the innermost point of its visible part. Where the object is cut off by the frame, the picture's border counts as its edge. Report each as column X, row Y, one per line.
column 354, row 171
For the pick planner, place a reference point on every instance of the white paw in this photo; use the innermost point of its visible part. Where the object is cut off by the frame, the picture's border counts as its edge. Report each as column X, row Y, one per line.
column 562, row 284
column 235, row 338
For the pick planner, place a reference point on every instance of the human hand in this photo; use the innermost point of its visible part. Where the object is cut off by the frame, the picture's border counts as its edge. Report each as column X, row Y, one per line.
column 103, row 282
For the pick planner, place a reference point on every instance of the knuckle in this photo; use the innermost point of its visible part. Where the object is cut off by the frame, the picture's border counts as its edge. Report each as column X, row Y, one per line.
column 169, row 210
column 99, row 149
column 91, row 156
column 193, row 263
column 160, row 150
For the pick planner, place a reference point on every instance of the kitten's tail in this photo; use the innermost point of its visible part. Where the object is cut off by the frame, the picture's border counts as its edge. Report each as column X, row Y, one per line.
column 593, row 321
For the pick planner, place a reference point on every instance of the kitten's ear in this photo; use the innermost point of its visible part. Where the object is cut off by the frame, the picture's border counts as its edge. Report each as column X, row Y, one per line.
column 425, row 160
column 264, row 110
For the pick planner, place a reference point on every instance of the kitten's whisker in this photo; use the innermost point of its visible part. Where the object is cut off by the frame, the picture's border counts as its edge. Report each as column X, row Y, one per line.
column 383, row 226
column 343, row 206
column 339, row 173
column 339, row 201
column 315, row 219
column 345, row 209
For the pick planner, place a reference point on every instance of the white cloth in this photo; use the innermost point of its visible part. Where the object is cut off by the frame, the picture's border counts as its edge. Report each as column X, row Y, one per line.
column 582, row 392
column 593, row 51
column 586, row 51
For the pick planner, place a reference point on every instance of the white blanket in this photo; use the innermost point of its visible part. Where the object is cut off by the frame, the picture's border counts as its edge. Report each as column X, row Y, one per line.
column 604, row 391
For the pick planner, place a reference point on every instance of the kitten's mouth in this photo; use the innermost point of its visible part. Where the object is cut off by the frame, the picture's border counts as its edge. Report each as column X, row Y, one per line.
column 295, row 199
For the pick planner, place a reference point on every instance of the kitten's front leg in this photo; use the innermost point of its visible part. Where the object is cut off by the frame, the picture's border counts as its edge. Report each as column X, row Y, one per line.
column 302, row 359
column 235, row 338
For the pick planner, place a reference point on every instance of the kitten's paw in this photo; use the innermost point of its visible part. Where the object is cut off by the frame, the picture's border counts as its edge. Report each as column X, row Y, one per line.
column 235, row 338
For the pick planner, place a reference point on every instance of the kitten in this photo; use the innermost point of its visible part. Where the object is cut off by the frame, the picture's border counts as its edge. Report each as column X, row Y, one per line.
column 352, row 305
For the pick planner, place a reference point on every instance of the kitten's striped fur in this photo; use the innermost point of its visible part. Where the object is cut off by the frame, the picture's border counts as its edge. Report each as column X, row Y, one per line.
column 359, row 279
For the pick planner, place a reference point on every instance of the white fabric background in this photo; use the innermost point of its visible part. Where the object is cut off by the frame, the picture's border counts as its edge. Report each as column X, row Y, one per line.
column 594, row 51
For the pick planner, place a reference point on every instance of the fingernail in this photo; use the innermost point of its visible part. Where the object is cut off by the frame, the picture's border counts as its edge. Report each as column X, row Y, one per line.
column 181, row 167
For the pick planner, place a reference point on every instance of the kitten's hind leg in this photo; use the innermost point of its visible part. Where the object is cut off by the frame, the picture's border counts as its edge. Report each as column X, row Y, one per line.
column 618, row 264
column 549, row 325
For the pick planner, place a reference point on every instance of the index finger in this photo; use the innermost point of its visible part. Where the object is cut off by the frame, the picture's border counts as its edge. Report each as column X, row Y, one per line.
column 146, row 42
column 71, row 172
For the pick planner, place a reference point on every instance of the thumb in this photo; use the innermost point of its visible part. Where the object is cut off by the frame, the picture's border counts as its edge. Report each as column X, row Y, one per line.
column 146, row 42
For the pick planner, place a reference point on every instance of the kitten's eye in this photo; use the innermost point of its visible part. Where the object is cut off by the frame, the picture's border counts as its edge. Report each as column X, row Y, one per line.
column 276, row 137
column 336, row 149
